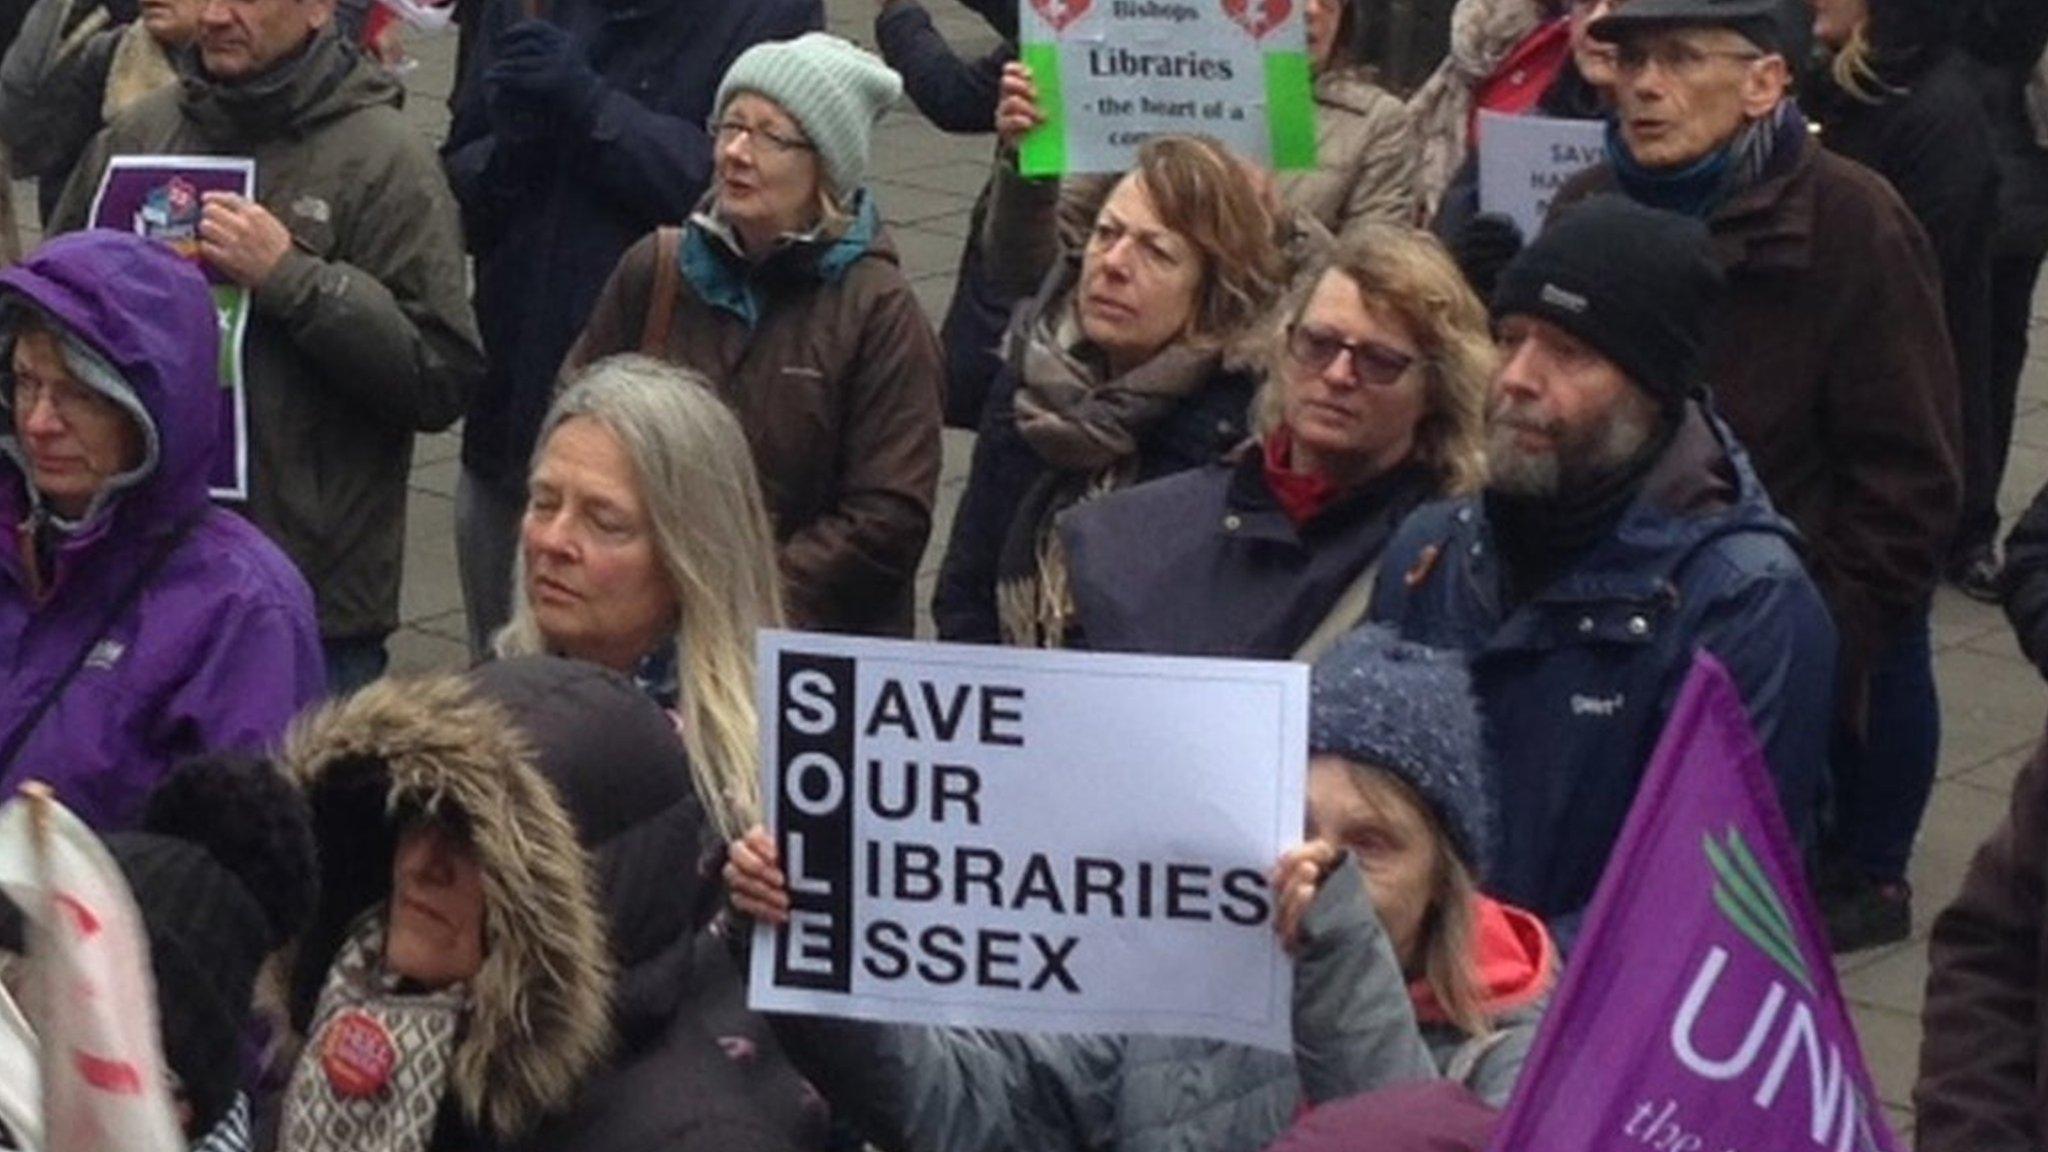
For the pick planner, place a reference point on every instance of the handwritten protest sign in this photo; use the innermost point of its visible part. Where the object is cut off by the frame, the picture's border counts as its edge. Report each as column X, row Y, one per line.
column 1524, row 160
column 1113, row 73
column 104, row 1088
column 159, row 197
column 1699, row 1012
column 1029, row 840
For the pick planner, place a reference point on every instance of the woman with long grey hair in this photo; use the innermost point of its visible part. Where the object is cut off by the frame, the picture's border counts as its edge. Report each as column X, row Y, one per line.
column 646, row 548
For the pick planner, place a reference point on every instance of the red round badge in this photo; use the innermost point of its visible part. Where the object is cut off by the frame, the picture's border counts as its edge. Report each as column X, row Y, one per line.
column 357, row 1055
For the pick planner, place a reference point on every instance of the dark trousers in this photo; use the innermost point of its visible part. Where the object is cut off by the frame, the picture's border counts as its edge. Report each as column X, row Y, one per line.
column 1884, row 777
column 1988, row 407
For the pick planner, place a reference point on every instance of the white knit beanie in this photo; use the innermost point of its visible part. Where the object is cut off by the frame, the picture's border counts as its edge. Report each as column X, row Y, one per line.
column 833, row 89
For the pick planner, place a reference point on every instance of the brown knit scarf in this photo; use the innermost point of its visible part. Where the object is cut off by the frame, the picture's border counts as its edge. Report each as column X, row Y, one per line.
column 1086, row 426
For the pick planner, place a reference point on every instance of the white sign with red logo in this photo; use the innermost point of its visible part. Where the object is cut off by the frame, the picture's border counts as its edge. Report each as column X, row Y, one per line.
column 104, row 1088
column 1111, row 74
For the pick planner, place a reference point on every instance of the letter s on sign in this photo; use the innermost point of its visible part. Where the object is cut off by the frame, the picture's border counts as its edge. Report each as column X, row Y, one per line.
column 811, row 709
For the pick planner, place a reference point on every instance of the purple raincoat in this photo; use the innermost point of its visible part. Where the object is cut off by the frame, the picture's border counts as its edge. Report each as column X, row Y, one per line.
column 221, row 649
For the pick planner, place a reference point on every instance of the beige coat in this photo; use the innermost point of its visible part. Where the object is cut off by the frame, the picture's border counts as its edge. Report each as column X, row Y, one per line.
column 1366, row 159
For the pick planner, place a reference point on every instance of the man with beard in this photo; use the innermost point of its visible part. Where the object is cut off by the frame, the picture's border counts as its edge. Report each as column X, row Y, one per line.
column 1622, row 530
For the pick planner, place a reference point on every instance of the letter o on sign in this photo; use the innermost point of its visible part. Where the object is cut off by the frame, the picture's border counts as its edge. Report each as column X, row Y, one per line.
column 798, row 777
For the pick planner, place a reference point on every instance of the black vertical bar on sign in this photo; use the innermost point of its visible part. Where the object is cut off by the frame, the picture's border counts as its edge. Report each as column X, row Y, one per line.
column 827, row 836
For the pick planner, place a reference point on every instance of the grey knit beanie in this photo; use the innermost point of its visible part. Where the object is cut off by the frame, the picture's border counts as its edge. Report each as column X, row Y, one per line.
column 835, row 90
column 1381, row 701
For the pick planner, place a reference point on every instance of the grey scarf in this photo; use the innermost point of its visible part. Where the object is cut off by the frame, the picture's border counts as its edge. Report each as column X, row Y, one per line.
column 375, row 1067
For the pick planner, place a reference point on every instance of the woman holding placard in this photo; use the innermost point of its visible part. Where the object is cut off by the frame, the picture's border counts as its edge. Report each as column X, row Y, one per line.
column 1115, row 372
column 1407, row 975
column 1374, row 404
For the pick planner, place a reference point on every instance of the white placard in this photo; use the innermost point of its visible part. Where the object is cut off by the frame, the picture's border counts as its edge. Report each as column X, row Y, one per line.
column 1112, row 74
column 1524, row 160
column 1028, row 840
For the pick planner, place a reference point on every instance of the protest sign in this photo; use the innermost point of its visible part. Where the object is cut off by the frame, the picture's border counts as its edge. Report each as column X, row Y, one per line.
column 1524, row 160
column 1113, row 73
column 1029, row 840
column 1699, row 1010
column 104, row 1087
column 159, row 197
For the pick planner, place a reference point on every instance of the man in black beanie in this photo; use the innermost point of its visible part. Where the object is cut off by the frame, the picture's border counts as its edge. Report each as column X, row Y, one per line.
column 1622, row 529
column 1830, row 356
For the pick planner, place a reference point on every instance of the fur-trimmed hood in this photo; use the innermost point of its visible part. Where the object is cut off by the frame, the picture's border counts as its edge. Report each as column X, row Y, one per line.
column 538, row 1026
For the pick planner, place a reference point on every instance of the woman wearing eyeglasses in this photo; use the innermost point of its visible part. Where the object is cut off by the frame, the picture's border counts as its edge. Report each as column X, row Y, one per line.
column 1373, row 405
column 784, row 290
column 139, row 624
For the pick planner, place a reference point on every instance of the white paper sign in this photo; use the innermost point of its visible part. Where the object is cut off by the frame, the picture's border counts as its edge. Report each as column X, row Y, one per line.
column 1113, row 73
column 1524, row 160
column 1029, row 840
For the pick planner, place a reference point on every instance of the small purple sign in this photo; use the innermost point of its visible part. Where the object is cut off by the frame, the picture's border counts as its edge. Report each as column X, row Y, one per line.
column 1699, row 1011
column 162, row 198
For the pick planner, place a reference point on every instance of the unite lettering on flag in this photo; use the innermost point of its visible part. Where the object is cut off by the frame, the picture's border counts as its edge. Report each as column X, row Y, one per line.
column 102, row 1066
column 1700, row 1010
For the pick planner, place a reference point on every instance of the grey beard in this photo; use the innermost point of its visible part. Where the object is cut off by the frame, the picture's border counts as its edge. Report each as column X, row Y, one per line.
column 1610, row 443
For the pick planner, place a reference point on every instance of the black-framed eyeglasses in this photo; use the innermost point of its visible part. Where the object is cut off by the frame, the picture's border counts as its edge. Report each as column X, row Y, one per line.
column 726, row 131
column 1675, row 57
column 1373, row 364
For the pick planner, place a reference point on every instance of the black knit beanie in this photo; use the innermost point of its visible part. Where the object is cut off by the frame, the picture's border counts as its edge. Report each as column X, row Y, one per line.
column 222, row 872
column 1634, row 282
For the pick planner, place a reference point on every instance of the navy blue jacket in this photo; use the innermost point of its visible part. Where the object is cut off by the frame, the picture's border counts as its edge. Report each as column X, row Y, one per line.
column 547, row 220
column 1574, row 684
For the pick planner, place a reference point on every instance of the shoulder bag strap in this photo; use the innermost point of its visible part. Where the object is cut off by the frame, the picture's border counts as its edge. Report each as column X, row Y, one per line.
column 1343, row 617
column 661, row 304
column 17, row 739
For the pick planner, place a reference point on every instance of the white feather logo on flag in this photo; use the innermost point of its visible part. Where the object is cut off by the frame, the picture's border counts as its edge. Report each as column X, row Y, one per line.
column 93, row 1004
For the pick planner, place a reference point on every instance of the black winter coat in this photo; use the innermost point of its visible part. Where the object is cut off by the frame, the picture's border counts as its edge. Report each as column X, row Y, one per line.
column 1206, row 563
column 548, row 216
column 2007, row 37
column 1933, row 145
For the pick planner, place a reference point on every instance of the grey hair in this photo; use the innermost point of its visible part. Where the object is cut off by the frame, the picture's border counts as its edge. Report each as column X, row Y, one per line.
column 715, row 544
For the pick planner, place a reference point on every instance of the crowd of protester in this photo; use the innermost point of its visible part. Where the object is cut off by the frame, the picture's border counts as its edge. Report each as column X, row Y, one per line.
column 1748, row 391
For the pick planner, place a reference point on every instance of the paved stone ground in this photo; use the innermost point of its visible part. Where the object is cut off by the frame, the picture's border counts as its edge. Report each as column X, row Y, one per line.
column 1992, row 700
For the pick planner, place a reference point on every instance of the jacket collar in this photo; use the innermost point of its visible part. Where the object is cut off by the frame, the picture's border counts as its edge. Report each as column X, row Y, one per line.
column 325, row 80
column 718, row 268
column 1770, row 226
column 1250, row 503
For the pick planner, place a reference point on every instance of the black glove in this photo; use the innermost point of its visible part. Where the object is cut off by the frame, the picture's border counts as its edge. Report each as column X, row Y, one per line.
column 1483, row 248
column 540, row 73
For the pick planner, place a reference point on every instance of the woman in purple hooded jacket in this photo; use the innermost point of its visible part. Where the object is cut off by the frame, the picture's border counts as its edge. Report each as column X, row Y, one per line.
column 139, row 624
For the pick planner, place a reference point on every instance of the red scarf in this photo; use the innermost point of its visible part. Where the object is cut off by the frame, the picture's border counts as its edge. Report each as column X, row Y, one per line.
column 1303, row 496
column 1512, row 955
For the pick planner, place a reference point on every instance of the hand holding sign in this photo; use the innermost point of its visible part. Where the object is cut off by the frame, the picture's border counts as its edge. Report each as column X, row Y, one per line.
column 1017, row 111
column 1296, row 880
column 241, row 239
column 759, row 889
